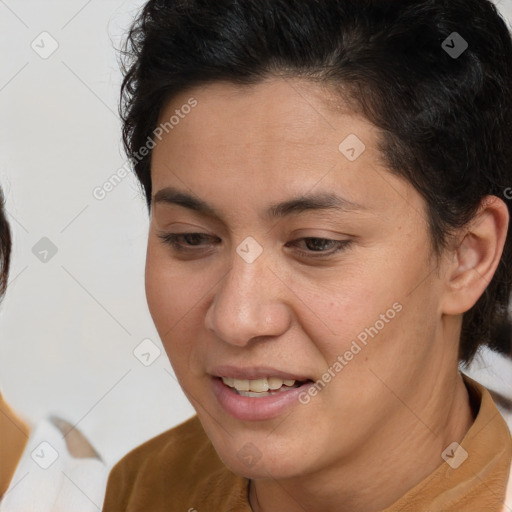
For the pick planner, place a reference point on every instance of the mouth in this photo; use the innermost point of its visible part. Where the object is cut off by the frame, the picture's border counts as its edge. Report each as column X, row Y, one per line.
column 261, row 398
column 263, row 387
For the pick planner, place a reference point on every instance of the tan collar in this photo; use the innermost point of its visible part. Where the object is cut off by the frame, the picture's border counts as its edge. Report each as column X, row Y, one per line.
column 14, row 436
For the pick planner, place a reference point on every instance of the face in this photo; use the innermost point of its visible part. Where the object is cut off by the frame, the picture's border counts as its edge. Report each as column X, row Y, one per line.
column 282, row 253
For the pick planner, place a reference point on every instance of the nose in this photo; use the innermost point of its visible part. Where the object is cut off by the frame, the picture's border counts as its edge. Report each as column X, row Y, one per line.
column 249, row 303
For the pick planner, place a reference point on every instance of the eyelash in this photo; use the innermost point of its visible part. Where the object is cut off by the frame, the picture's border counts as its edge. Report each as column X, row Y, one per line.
column 172, row 240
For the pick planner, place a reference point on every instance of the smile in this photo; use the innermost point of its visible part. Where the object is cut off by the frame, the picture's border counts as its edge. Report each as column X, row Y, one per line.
column 261, row 387
column 258, row 399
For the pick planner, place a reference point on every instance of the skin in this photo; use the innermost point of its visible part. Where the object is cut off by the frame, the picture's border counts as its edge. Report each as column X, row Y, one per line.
column 379, row 427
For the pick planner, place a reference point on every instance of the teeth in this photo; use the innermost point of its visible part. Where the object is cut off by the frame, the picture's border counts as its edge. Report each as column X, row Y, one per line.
column 257, row 385
column 242, row 385
column 275, row 383
column 228, row 381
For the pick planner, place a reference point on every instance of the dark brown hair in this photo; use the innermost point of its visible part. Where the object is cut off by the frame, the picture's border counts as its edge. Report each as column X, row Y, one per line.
column 5, row 247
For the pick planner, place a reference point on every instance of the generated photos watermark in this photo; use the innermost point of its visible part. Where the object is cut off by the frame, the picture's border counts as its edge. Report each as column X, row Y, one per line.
column 101, row 192
column 355, row 348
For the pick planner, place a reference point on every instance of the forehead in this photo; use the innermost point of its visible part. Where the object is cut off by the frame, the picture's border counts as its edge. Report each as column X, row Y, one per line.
column 278, row 138
column 274, row 110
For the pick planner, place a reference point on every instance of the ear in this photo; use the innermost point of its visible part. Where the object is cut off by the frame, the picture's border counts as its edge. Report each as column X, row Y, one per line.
column 474, row 260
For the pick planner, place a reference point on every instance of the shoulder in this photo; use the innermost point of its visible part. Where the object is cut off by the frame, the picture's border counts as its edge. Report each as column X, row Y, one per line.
column 178, row 467
column 166, row 449
column 185, row 443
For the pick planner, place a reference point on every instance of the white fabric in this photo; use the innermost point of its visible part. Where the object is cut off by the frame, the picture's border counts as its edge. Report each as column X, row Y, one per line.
column 68, row 484
column 508, row 501
column 494, row 371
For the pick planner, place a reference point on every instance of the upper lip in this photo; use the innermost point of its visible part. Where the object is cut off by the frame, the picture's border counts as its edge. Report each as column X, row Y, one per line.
column 254, row 373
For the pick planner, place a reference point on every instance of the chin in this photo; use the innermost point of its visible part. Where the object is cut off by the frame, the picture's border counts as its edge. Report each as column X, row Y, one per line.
column 263, row 470
column 259, row 458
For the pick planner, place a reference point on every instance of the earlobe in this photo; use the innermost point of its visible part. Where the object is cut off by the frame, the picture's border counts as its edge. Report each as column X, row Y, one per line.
column 477, row 256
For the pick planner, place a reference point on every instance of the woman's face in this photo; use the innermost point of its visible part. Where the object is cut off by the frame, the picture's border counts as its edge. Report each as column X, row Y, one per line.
column 309, row 262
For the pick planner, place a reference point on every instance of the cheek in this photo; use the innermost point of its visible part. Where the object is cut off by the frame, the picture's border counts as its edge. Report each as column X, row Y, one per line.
column 340, row 310
column 175, row 298
column 368, row 311
column 157, row 290
column 166, row 295
column 171, row 291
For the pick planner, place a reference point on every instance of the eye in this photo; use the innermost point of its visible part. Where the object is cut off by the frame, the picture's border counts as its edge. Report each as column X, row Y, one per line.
column 316, row 247
column 191, row 242
column 183, row 242
column 320, row 246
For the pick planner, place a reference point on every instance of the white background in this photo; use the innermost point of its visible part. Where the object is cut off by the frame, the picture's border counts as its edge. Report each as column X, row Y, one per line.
column 68, row 327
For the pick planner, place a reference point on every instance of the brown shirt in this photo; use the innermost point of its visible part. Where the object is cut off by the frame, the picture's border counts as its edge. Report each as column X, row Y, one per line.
column 180, row 471
column 13, row 438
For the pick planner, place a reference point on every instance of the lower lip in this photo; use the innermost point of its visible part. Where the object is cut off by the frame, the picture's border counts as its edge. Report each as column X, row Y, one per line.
column 256, row 409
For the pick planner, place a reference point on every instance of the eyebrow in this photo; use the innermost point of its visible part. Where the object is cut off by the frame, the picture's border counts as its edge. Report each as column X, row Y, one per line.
column 294, row 206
